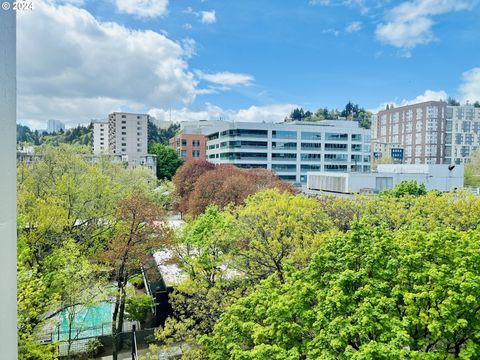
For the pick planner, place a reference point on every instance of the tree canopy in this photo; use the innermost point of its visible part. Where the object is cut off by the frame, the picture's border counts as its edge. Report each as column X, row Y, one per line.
column 168, row 161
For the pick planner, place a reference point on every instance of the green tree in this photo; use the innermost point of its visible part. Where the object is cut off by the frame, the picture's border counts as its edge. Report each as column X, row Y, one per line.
column 275, row 230
column 138, row 308
column 76, row 282
column 452, row 102
column 168, row 161
column 141, row 230
column 406, row 188
column 369, row 294
column 472, row 170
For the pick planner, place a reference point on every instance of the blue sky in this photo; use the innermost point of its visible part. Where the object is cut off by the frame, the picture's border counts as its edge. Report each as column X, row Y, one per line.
column 241, row 60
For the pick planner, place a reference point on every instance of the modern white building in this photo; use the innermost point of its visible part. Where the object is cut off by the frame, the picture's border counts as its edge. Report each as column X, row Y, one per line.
column 434, row 176
column 204, row 127
column 100, row 136
column 291, row 149
column 127, row 134
column 54, row 126
column 462, row 133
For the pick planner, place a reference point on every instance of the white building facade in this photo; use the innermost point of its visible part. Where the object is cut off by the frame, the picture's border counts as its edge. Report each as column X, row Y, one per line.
column 462, row 133
column 434, row 176
column 292, row 149
column 100, row 136
column 127, row 134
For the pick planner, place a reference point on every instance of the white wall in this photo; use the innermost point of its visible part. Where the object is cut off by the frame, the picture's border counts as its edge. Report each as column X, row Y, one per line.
column 8, row 226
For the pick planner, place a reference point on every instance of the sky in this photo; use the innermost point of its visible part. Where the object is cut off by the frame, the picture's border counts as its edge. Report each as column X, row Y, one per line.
column 240, row 60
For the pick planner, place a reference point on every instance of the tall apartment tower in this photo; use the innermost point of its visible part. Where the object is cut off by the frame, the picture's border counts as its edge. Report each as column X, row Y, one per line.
column 418, row 128
column 127, row 134
column 100, row 136
column 462, row 133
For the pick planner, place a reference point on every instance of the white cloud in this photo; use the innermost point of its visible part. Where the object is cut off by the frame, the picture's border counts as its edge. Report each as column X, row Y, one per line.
column 72, row 67
column 354, row 27
column 360, row 4
column 187, row 26
column 143, row 8
column 428, row 95
column 268, row 113
column 470, row 87
column 410, row 23
column 331, row 31
column 226, row 78
column 208, row 17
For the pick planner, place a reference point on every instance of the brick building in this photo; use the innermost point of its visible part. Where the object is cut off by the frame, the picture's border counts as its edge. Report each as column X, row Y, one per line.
column 418, row 128
column 190, row 146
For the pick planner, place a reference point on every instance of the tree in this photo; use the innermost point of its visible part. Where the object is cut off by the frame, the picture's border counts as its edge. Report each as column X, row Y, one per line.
column 202, row 249
column 275, row 230
column 138, row 308
column 140, row 231
column 77, row 283
column 476, row 104
column 168, row 161
column 297, row 114
column 185, row 179
column 472, row 170
column 228, row 184
column 406, row 188
column 371, row 293
column 161, row 136
column 452, row 102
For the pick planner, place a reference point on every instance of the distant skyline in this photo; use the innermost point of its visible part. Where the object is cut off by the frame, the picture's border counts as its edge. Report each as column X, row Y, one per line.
column 240, row 60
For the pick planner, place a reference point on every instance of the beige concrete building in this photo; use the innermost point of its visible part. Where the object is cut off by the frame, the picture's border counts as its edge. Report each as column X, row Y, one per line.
column 127, row 134
column 100, row 136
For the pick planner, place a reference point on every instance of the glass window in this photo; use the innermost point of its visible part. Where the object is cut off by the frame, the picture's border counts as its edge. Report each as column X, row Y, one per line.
column 252, row 166
column 311, row 146
column 243, row 156
column 284, row 167
column 184, row 142
column 288, row 177
column 195, row 143
column 356, row 137
column 284, row 145
column 282, row 156
column 184, row 153
column 196, row 153
column 284, row 134
column 311, row 157
column 336, row 147
column 310, row 167
column 336, row 136
column 335, row 157
column 311, row 136
column 332, row 167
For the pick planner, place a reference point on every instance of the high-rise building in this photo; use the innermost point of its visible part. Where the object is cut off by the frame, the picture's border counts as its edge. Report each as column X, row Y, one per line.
column 462, row 133
column 418, row 128
column 291, row 149
column 100, row 136
column 127, row 134
column 54, row 126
